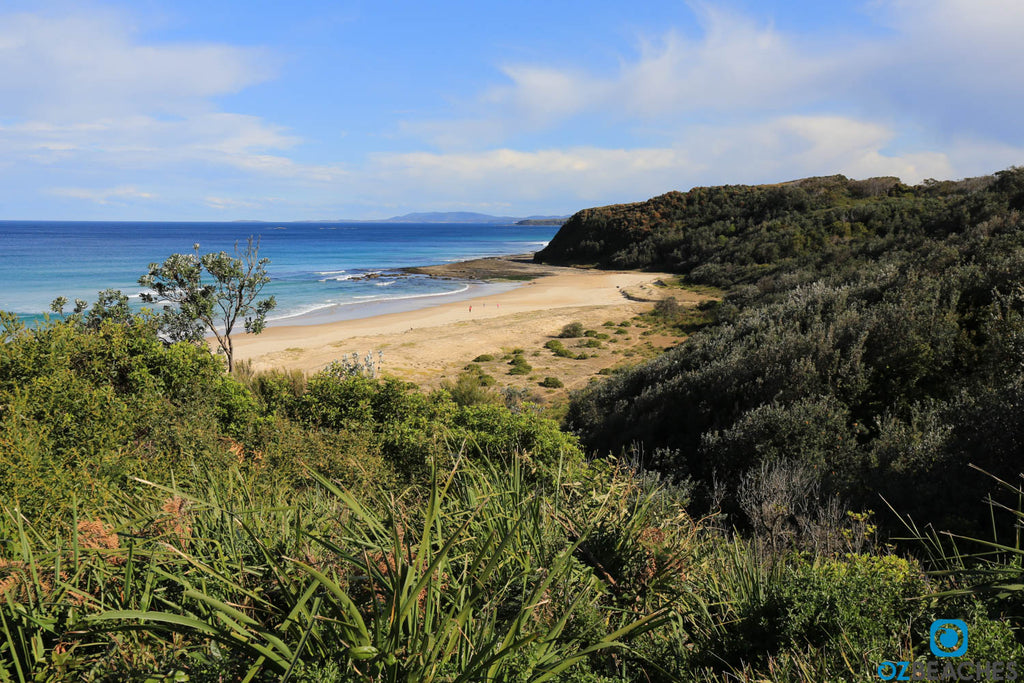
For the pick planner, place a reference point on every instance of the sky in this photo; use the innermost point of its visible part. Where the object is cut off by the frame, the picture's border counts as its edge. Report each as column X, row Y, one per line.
column 317, row 109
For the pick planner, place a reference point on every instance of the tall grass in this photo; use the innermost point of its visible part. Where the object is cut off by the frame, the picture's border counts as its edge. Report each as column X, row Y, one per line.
column 480, row 573
column 469, row 578
column 990, row 569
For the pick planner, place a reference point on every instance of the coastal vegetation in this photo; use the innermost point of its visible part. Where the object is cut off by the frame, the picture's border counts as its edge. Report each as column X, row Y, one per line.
column 210, row 294
column 765, row 501
column 866, row 334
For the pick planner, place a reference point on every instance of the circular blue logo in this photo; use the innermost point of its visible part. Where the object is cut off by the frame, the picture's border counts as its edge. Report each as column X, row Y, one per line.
column 948, row 637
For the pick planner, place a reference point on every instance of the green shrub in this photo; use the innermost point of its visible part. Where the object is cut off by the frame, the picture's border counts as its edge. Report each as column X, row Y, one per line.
column 557, row 347
column 285, row 451
column 82, row 407
column 337, row 402
column 668, row 309
column 237, row 408
column 519, row 364
column 815, row 431
column 571, row 330
column 559, row 350
column 479, row 374
column 483, row 358
column 552, row 383
column 749, row 613
column 499, row 433
column 278, row 390
column 470, row 387
column 862, row 602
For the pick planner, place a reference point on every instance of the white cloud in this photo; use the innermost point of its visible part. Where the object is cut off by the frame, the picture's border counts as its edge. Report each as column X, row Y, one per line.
column 222, row 203
column 90, row 66
column 796, row 146
column 953, row 65
column 588, row 173
column 86, row 92
column 112, row 195
column 540, row 94
column 141, row 141
column 942, row 71
column 736, row 64
column 992, row 23
column 782, row 148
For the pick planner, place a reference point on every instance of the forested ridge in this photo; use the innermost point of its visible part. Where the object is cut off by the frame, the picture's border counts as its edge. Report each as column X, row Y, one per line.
column 732, row 234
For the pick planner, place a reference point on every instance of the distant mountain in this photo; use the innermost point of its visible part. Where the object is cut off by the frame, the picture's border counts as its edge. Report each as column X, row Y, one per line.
column 450, row 217
column 470, row 217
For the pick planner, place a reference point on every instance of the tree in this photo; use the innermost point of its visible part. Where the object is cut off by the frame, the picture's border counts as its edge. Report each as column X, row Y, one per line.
column 211, row 291
column 111, row 306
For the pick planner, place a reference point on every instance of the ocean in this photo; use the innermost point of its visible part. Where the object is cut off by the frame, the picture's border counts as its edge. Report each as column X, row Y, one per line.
column 318, row 270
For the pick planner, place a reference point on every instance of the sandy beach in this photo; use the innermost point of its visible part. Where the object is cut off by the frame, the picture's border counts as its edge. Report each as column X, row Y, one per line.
column 431, row 343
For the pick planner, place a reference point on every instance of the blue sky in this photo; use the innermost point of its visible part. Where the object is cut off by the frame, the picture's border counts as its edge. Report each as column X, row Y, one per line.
column 215, row 110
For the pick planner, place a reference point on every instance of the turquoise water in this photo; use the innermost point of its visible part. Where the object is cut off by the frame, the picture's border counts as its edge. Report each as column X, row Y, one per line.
column 316, row 269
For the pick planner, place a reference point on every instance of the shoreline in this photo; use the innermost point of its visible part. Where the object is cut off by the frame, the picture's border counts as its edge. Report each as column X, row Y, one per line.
column 431, row 343
column 358, row 310
column 481, row 277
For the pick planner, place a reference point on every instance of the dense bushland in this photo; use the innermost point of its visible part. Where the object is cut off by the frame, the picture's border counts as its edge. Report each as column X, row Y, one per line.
column 733, row 234
column 84, row 405
column 164, row 520
column 884, row 356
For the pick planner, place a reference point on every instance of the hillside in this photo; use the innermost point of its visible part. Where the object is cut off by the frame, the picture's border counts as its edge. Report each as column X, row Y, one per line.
column 730, row 234
column 869, row 337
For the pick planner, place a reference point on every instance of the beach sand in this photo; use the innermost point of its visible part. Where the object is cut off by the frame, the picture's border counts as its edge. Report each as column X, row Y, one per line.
column 433, row 343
